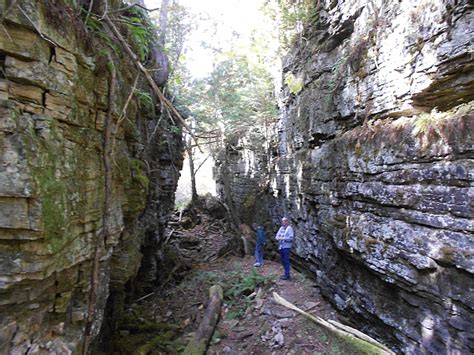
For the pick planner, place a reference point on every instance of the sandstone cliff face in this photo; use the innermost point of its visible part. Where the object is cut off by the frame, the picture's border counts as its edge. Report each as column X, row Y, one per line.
column 54, row 241
column 374, row 167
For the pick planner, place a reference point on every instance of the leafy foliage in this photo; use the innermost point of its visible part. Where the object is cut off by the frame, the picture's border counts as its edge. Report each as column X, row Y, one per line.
column 96, row 27
column 140, row 32
column 294, row 84
column 247, row 284
column 290, row 17
column 237, row 286
column 236, row 96
column 144, row 98
column 180, row 23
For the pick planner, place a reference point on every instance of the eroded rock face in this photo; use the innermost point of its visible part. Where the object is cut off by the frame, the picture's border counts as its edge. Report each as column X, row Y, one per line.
column 53, row 104
column 375, row 168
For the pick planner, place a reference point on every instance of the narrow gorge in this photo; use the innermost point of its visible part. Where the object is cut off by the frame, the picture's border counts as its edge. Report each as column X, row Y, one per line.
column 370, row 157
column 372, row 161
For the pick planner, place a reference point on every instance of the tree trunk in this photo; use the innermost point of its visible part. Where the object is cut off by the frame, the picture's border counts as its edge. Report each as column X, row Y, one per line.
column 192, row 171
column 163, row 23
column 228, row 194
column 198, row 345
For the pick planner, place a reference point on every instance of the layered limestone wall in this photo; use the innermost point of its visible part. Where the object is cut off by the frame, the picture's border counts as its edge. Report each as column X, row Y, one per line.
column 59, row 256
column 374, row 167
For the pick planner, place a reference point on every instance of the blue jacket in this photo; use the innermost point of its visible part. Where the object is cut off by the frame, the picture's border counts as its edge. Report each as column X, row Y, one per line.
column 260, row 236
column 288, row 236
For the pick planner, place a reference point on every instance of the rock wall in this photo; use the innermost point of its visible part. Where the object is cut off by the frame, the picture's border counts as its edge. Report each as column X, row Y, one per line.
column 374, row 167
column 59, row 256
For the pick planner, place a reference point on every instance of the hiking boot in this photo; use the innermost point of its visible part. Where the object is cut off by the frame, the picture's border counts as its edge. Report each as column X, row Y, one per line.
column 257, row 265
column 285, row 277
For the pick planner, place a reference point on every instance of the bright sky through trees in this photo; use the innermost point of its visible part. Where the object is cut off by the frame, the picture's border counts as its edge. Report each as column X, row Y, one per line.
column 220, row 25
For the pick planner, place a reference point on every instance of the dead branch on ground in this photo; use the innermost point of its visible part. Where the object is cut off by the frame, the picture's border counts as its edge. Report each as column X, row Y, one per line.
column 198, row 345
column 337, row 328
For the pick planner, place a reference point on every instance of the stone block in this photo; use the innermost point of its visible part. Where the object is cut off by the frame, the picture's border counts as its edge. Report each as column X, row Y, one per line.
column 15, row 180
column 41, row 289
column 62, row 302
column 58, row 106
column 77, row 316
column 30, row 107
column 6, row 334
column 19, row 234
column 3, row 90
column 14, row 213
column 27, row 93
column 100, row 120
column 38, row 74
column 84, row 87
column 23, row 43
column 101, row 90
column 7, row 122
column 66, row 59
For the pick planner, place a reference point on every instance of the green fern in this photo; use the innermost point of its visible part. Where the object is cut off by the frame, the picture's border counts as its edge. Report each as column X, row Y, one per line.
column 144, row 99
column 140, row 33
column 95, row 25
column 138, row 37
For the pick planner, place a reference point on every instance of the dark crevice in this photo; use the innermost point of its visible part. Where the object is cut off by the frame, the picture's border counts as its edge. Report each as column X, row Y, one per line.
column 52, row 54
column 2, row 65
column 43, row 97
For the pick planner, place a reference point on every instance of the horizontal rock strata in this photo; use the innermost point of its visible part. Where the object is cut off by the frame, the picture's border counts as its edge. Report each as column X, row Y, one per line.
column 54, row 103
column 374, row 167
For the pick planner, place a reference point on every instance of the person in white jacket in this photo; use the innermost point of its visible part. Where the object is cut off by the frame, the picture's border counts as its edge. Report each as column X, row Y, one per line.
column 285, row 236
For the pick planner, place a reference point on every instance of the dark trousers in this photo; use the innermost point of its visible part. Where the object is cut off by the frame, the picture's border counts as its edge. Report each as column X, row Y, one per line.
column 285, row 260
column 259, row 253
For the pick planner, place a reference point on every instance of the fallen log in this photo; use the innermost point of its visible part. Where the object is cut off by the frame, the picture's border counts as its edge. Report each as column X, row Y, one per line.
column 198, row 344
column 360, row 340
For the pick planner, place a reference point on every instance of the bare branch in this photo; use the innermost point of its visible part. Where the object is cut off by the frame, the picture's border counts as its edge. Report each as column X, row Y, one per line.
column 8, row 10
column 88, row 13
column 202, row 163
column 148, row 77
column 134, row 5
column 36, row 28
column 105, row 10
column 204, row 143
column 6, row 32
column 123, row 116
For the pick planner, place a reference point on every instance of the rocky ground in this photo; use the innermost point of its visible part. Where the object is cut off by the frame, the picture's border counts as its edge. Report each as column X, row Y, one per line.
column 251, row 322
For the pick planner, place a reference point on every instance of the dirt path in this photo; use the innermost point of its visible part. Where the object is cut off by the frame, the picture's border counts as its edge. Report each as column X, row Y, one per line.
column 268, row 328
column 250, row 320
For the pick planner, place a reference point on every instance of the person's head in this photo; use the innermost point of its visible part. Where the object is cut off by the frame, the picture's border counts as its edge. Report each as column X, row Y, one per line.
column 254, row 226
column 284, row 221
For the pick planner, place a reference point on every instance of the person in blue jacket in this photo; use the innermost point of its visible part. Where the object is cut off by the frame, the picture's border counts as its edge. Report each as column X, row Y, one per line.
column 285, row 236
column 259, row 245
